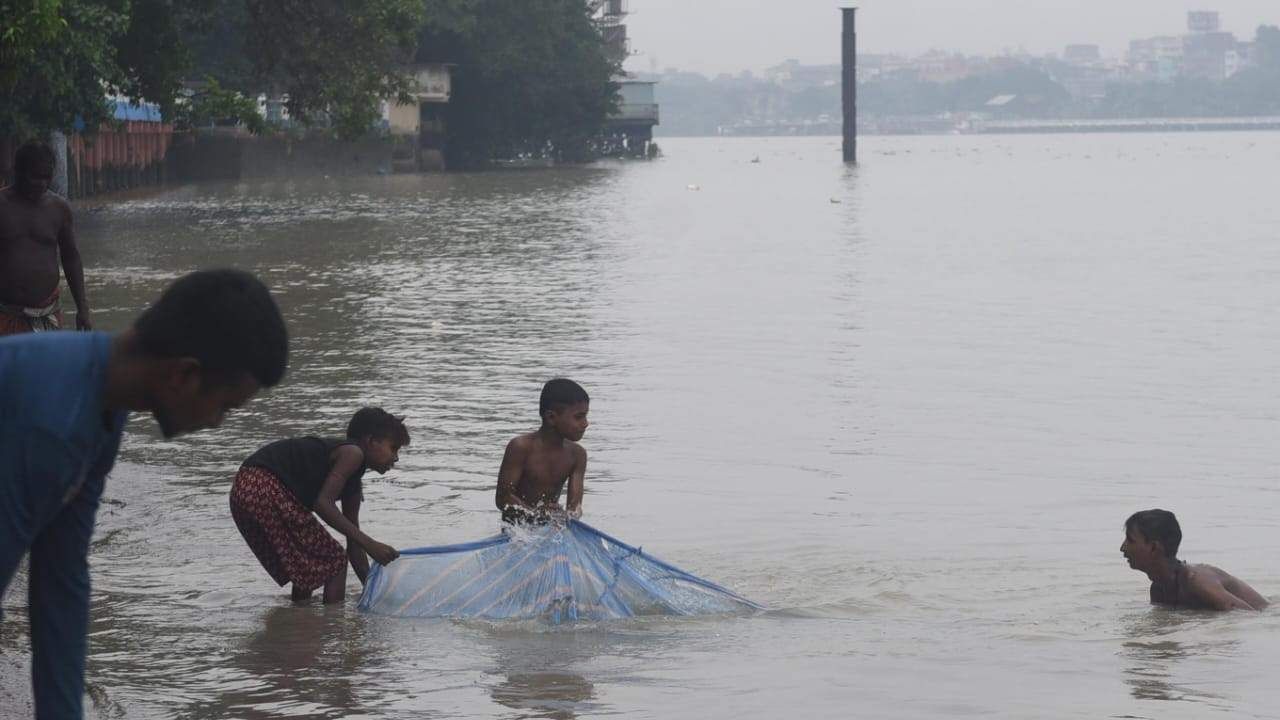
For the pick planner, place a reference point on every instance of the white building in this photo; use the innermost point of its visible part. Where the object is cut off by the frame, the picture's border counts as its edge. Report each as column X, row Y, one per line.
column 434, row 84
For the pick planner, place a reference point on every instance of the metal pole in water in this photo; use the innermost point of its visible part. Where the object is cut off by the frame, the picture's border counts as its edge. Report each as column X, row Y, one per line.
column 849, row 84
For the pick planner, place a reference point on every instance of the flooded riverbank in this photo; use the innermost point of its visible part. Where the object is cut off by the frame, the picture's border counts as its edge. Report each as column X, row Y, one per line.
column 907, row 406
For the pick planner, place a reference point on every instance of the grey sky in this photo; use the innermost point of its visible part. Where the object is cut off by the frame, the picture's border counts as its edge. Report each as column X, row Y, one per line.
column 712, row 36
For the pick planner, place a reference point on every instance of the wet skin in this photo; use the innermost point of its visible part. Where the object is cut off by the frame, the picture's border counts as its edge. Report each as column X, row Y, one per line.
column 35, row 233
column 1176, row 584
column 537, row 465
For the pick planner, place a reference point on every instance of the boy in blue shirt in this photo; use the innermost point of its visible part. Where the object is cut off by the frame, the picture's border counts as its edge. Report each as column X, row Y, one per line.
column 212, row 341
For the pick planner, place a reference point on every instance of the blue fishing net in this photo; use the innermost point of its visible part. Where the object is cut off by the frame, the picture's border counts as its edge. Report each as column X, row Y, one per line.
column 556, row 573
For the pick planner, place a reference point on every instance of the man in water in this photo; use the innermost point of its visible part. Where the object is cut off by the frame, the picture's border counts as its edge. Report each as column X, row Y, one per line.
column 537, row 464
column 212, row 341
column 35, row 231
column 1151, row 539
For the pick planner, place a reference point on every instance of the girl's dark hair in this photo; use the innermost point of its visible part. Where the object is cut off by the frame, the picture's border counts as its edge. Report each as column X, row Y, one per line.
column 379, row 424
column 560, row 392
column 1158, row 525
column 226, row 319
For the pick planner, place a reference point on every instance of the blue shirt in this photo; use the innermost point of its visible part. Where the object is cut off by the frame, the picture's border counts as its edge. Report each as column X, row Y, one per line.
column 57, row 444
column 54, row 430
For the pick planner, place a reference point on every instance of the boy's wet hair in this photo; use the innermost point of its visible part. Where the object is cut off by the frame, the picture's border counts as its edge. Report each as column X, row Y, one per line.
column 33, row 154
column 1158, row 525
column 226, row 319
column 559, row 393
column 378, row 424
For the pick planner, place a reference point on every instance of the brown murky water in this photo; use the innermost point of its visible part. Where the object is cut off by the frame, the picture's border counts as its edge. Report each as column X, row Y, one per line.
column 908, row 407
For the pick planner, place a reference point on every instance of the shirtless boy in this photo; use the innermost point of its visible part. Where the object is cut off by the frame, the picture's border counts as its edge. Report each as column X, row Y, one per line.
column 1151, row 546
column 35, row 232
column 537, row 464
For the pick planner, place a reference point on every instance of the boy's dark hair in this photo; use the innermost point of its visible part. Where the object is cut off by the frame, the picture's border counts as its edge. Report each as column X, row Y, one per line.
column 226, row 319
column 33, row 154
column 379, row 424
column 1158, row 525
column 558, row 393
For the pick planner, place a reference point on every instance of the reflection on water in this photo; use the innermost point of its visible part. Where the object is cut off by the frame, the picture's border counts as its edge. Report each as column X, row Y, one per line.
column 535, row 673
column 1155, row 651
column 560, row 696
column 301, row 661
column 444, row 299
column 1150, row 673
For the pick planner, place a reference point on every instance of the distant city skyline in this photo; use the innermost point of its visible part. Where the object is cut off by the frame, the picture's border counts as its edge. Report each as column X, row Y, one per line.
column 713, row 38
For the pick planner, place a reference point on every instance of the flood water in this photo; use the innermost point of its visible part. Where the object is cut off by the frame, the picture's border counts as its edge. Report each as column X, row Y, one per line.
column 907, row 406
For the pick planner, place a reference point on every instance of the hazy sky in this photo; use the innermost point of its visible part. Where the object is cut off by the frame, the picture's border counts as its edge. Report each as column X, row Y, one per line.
column 713, row 36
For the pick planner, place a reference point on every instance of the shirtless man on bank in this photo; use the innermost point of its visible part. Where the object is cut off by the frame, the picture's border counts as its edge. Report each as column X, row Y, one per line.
column 35, row 233
column 536, row 465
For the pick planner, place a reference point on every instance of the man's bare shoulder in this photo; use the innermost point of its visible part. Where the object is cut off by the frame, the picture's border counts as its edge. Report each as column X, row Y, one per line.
column 51, row 203
column 1222, row 590
column 57, row 202
column 1204, row 579
column 1201, row 573
column 1212, row 574
column 579, row 452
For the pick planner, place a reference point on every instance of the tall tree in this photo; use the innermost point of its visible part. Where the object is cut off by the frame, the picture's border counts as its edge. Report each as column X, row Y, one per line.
column 60, row 74
column 30, row 24
column 531, row 78
column 335, row 58
column 154, row 54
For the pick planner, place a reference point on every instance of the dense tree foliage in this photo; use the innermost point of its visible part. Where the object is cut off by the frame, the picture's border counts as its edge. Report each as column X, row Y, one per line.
column 336, row 59
column 28, row 25
column 59, row 64
column 530, row 79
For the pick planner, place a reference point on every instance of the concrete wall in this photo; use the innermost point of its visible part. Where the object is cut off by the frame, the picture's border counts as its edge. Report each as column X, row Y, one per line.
column 143, row 154
column 403, row 118
column 215, row 155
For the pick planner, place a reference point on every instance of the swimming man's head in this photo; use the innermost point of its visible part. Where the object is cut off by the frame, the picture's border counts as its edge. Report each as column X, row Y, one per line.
column 1150, row 535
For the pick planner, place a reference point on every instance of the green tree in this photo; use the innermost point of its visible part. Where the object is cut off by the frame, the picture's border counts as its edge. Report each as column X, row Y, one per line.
column 530, row 78
column 154, row 54
column 31, row 24
column 215, row 104
column 337, row 59
column 217, row 46
column 63, row 75
column 58, row 78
